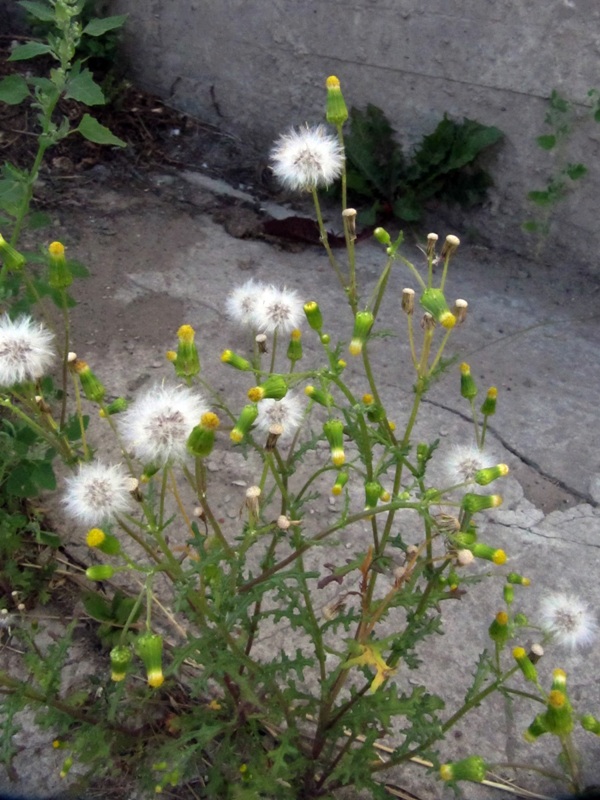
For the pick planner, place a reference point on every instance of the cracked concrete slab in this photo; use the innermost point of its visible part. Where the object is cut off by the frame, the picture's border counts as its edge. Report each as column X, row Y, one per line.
column 157, row 262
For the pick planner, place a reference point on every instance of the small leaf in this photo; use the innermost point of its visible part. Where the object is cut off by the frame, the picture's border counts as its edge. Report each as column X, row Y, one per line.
column 93, row 131
column 38, row 10
column 43, row 476
column 597, row 115
column 547, row 142
column 13, row 90
column 531, row 226
column 38, row 219
column 84, row 88
column 97, row 27
column 30, row 50
column 576, row 171
column 540, row 198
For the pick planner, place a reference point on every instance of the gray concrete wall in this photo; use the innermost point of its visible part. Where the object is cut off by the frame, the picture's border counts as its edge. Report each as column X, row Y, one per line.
column 256, row 66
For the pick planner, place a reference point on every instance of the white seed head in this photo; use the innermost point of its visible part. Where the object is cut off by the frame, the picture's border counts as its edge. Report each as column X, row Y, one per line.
column 569, row 620
column 465, row 461
column 242, row 301
column 97, row 494
column 157, row 424
column 26, row 350
column 286, row 412
column 307, row 158
column 277, row 310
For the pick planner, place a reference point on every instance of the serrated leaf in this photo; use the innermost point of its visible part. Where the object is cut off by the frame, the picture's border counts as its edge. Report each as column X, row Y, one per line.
column 547, row 142
column 576, row 171
column 97, row 27
column 84, row 89
column 539, row 198
column 30, row 50
column 13, row 90
column 43, row 476
column 530, row 226
column 95, row 132
column 38, row 10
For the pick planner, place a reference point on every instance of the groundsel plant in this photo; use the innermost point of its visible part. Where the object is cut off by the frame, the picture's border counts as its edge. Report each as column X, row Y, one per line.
column 190, row 694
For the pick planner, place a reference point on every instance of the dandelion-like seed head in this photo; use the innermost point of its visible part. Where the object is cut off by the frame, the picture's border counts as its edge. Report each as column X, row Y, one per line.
column 241, row 303
column 286, row 412
column 307, row 158
column 569, row 620
column 25, row 350
column 156, row 426
column 97, row 494
column 465, row 461
column 278, row 310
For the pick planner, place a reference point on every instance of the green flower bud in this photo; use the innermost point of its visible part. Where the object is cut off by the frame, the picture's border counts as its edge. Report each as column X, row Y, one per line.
column 479, row 502
column 514, row 577
column 337, row 112
column 235, row 361
column 484, row 476
column 120, row 659
column 525, row 665
column 488, row 407
column 537, row 728
column 591, row 724
column 187, row 360
column 488, row 553
column 100, row 572
column 294, row 351
column 115, row 407
column 468, row 387
column 472, row 768
column 334, row 432
column 499, row 630
column 59, row 276
column 340, row 482
column 313, row 315
column 509, row 594
column 373, row 490
column 11, row 258
column 244, row 423
column 149, row 648
column 93, row 389
column 434, row 302
column 274, row 388
column 382, row 236
column 559, row 714
column 319, row 396
column 202, row 438
column 363, row 322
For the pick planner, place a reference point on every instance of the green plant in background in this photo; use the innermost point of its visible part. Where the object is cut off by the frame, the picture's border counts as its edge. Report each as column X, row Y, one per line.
column 27, row 456
column 188, row 695
column 443, row 166
column 561, row 119
column 68, row 79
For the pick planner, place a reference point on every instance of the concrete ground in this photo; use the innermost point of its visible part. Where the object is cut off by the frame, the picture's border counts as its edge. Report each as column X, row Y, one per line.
column 158, row 259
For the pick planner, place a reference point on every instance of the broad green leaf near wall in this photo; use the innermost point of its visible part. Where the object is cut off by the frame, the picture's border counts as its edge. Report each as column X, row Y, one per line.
column 38, row 10
column 97, row 27
column 13, row 90
column 93, row 131
column 24, row 51
column 83, row 87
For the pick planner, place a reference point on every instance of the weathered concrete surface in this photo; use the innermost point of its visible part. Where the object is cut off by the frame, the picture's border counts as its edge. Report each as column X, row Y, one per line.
column 254, row 68
column 158, row 261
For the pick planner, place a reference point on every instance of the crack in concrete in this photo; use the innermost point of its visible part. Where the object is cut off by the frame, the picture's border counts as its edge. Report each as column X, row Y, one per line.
column 534, row 532
column 586, row 498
